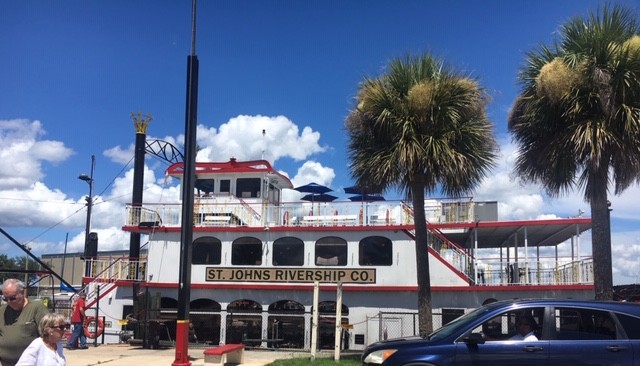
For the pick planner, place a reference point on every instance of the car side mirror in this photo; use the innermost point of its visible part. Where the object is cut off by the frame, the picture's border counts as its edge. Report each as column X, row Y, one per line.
column 473, row 339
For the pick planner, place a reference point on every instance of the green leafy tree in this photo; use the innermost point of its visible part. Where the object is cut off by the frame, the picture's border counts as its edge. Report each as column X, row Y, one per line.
column 420, row 128
column 8, row 264
column 577, row 119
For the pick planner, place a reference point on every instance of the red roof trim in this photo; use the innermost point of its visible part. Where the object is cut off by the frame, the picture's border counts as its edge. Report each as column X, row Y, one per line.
column 370, row 288
column 230, row 167
column 483, row 224
column 462, row 225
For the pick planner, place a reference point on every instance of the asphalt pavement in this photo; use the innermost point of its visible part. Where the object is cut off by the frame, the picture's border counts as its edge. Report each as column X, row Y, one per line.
column 127, row 355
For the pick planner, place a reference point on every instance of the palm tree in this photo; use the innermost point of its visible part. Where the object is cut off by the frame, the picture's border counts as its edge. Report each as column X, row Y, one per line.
column 421, row 127
column 577, row 119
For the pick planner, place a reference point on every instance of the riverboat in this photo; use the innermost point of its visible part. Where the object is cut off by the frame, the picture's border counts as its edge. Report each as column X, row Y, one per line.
column 261, row 266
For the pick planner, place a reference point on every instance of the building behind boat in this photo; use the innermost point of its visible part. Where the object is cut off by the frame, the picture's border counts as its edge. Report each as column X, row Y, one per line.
column 256, row 260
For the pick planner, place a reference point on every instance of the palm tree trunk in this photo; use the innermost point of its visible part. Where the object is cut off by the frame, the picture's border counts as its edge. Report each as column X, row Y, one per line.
column 601, row 247
column 422, row 260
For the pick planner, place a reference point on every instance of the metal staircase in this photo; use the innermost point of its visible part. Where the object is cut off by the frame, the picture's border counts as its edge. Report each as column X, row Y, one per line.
column 108, row 273
column 448, row 251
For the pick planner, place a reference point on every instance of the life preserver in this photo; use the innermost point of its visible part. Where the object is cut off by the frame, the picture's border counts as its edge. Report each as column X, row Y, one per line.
column 89, row 332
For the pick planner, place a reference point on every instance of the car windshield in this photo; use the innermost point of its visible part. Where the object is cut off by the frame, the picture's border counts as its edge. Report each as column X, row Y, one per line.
column 461, row 322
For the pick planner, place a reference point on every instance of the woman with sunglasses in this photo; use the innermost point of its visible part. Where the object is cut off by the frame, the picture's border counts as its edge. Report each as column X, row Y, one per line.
column 19, row 319
column 46, row 350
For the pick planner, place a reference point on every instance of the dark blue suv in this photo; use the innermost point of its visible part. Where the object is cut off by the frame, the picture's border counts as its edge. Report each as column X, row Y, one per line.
column 522, row 333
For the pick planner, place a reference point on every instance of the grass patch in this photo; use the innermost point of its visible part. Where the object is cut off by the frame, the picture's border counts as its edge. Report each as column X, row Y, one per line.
column 306, row 361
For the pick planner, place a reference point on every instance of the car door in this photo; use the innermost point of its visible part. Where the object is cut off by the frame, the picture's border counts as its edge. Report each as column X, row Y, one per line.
column 630, row 325
column 582, row 337
column 498, row 349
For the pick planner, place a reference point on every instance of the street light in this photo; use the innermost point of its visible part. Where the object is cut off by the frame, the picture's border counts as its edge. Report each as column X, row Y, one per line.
column 89, row 180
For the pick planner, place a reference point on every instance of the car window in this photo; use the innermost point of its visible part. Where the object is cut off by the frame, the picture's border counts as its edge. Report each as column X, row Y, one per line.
column 503, row 326
column 631, row 325
column 459, row 323
column 583, row 324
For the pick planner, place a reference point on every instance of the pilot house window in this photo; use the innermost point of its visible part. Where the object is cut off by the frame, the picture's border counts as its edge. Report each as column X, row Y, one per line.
column 248, row 187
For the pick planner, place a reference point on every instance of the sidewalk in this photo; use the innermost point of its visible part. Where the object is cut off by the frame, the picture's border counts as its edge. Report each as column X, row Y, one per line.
column 126, row 355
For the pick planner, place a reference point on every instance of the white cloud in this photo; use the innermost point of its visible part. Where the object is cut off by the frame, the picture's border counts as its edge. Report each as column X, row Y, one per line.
column 36, row 206
column 21, row 153
column 625, row 255
column 242, row 137
column 309, row 172
column 120, row 155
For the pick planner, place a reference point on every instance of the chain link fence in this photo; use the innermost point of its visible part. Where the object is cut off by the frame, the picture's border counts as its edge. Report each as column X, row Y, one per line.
column 387, row 325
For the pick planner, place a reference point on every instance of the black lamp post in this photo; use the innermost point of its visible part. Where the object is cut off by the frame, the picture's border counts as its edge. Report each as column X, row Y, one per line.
column 89, row 180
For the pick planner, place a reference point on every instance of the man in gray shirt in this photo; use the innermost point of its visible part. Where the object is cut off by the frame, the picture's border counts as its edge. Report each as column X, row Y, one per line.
column 19, row 319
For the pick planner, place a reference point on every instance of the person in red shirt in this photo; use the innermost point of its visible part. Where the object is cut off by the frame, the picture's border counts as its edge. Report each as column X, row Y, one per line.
column 77, row 320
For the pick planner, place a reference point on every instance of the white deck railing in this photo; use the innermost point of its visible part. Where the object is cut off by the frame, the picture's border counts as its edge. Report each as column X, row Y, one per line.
column 536, row 273
column 230, row 211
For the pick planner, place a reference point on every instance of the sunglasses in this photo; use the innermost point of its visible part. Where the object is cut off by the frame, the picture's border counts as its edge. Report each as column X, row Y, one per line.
column 61, row 326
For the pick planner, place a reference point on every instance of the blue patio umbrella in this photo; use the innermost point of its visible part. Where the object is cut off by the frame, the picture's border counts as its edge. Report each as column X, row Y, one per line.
column 317, row 193
column 367, row 197
column 314, row 188
column 359, row 190
column 322, row 197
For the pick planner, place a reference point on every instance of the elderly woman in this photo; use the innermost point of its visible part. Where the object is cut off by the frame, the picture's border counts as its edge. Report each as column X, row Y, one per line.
column 46, row 350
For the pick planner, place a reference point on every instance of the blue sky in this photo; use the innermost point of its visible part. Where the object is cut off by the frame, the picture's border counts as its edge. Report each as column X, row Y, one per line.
column 71, row 72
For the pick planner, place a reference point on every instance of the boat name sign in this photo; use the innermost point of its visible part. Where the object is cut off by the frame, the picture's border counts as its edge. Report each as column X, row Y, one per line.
column 235, row 274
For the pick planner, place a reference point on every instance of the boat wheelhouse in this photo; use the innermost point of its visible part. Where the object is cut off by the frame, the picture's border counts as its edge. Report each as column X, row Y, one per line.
column 257, row 262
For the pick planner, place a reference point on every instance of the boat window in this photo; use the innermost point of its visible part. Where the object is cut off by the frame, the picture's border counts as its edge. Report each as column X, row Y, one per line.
column 244, row 322
column 206, row 250
column 246, row 251
column 327, row 323
column 273, row 195
column 286, row 324
column 205, row 317
column 205, row 304
column 375, row 251
column 205, row 186
column 225, row 186
column 288, row 251
column 244, row 305
column 286, row 306
column 331, row 251
column 248, row 187
column 286, row 331
column 329, row 308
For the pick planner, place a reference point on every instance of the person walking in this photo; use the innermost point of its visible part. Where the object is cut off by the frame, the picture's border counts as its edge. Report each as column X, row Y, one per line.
column 77, row 321
column 46, row 350
column 19, row 319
